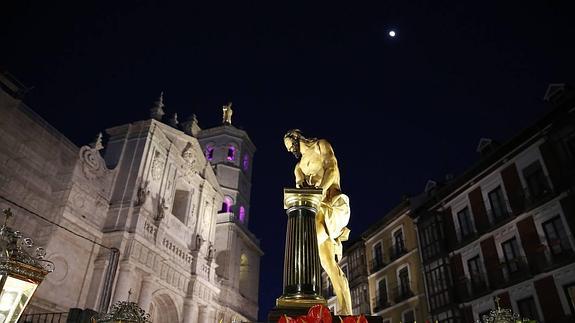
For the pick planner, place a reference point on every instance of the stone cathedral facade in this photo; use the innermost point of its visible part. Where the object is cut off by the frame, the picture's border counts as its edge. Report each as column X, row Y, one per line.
column 166, row 206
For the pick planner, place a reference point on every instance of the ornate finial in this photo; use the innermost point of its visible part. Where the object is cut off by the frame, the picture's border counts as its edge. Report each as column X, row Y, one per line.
column 227, row 117
column 7, row 214
column 129, row 294
column 497, row 301
column 190, row 126
column 157, row 111
column 174, row 120
column 97, row 143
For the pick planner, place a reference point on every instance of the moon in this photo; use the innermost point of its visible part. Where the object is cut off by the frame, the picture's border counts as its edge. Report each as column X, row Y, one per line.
column 391, row 33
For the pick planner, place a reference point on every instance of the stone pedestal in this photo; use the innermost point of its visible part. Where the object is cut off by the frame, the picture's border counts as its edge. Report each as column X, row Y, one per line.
column 302, row 269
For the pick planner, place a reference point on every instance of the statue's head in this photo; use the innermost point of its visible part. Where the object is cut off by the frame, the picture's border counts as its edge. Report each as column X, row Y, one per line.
column 292, row 141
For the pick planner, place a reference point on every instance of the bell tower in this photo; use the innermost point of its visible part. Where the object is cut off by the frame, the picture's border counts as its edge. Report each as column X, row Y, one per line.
column 230, row 152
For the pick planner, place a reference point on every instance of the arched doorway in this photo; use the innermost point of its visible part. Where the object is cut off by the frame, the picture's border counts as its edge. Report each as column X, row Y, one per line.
column 163, row 309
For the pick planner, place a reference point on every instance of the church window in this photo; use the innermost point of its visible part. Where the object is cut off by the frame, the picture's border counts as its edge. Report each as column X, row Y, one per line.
column 231, row 153
column 242, row 214
column 209, row 152
column 227, row 204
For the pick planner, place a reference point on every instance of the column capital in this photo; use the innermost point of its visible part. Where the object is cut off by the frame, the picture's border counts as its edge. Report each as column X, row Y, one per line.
column 302, row 197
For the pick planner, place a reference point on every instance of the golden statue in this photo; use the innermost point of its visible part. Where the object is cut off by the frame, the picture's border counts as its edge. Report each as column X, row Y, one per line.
column 317, row 168
column 227, row 117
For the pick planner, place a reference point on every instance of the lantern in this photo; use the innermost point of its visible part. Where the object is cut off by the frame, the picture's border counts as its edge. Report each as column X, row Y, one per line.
column 20, row 272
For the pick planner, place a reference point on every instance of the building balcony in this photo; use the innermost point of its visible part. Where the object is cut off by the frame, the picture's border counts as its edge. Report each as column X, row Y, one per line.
column 534, row 197
column 402, row 292
column 499, row 216
column 380, row 303
column 376, row 264
column 470, row 288
column 515, row 270
column 397, row 251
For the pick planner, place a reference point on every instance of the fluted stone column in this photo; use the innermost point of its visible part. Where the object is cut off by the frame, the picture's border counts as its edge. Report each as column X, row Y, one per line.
column 146, row 291
column 202, row 314
column 190, row 311
column 302, row 269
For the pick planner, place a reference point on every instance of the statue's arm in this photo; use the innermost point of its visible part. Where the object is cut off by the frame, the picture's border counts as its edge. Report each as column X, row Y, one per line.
column 299, row 176
column 331, row 173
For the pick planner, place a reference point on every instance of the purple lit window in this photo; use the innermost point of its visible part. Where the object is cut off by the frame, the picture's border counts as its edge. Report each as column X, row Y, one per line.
column 246, row 162
column 231, row 153
column 227, row 205
column 209, row 152
column 242, row 214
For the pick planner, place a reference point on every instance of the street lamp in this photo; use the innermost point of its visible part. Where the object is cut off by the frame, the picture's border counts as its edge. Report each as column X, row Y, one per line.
column 20, row 272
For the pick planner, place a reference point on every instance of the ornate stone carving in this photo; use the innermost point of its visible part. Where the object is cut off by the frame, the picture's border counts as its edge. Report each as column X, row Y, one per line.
column 93, row 165
column 157, row 166
column 143, row 192
column 192, row 164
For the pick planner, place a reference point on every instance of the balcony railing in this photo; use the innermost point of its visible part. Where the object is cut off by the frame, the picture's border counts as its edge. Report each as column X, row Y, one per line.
column 44, row 318
column 499, row 215
column 515, row 269
column 402, row 292
column 532, row 199
column 469, row 288
column 376, row 264
column 380, row 303
column 397, row 250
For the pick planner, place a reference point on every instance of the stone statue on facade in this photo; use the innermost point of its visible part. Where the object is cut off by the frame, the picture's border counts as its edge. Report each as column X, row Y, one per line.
column 227, row 113
column 211, row 252
column 143, row 192
column 317, row 168
column 199, row 241
column 162, row 208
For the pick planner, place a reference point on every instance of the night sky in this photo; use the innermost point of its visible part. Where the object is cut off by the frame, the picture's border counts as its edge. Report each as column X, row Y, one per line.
column 398, row 111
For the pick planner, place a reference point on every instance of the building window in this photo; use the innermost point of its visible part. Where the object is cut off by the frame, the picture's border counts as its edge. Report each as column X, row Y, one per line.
column 556, row 236
column 527, row 308
column 537, row 185
column 511, row 255
column 437, row 277
column 430, row 239
column 398, row 248
column 227, row 204
column 475, row 273
column 210, row 152
column 381, row 294
column 408, row 316
column 464, row 218
column 404, row 286
column 242, row 214
column 180, row 205
column 377, row 257
column 246, row 162
column 497, row 203
column 231, row 153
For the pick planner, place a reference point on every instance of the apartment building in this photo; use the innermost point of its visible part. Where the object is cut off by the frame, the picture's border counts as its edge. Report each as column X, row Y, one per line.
column 394, row 276
column 504, row 228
